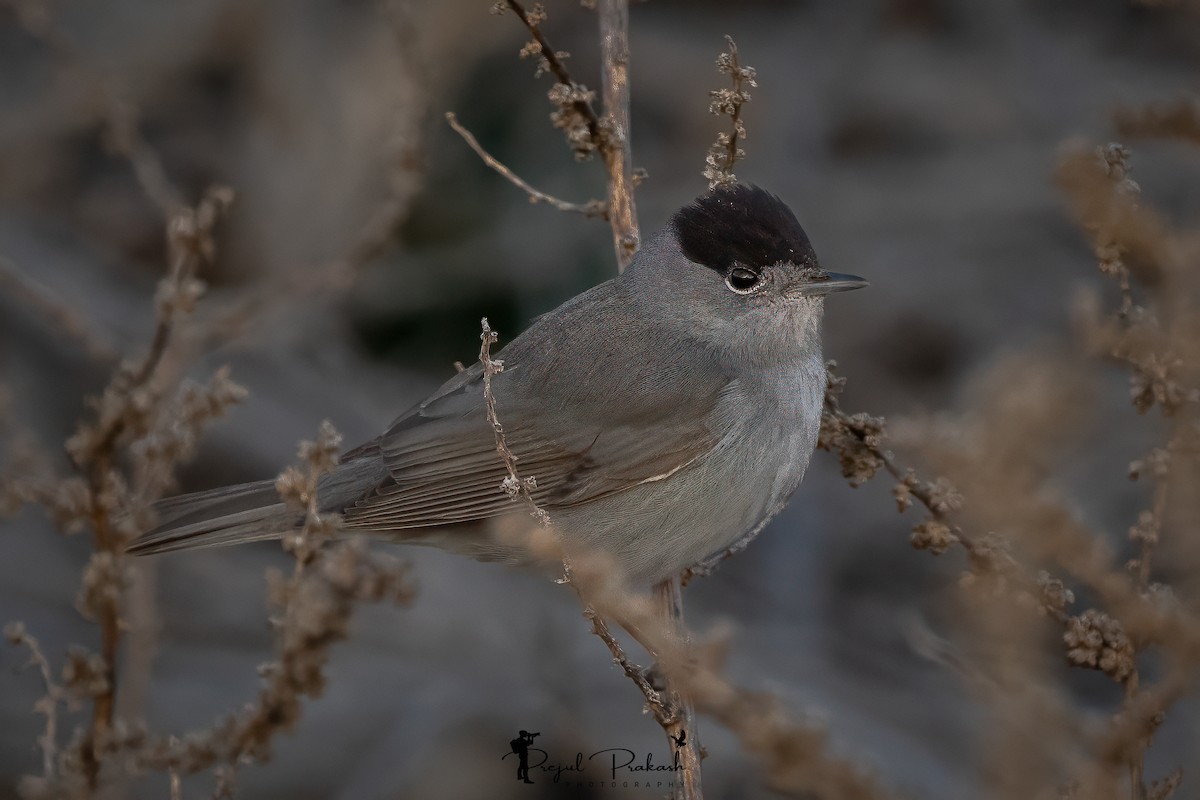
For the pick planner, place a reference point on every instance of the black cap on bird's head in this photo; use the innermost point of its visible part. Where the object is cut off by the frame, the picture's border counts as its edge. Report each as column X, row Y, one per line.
column 741, row 229
column 741, row 225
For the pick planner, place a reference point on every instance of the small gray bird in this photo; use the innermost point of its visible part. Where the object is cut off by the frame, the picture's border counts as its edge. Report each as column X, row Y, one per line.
column 665, row 414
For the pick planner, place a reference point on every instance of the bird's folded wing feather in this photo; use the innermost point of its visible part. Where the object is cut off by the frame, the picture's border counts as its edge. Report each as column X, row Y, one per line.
column 444, row 467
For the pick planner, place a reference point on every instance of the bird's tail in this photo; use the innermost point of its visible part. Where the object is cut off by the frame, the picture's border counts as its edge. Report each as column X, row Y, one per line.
column 254, row 512
column 248, row 512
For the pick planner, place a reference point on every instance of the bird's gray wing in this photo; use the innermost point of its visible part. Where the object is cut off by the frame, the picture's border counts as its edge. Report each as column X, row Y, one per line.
column 443, row 466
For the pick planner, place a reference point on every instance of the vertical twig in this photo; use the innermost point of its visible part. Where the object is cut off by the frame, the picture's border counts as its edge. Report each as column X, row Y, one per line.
column 18, row 286
column 514, row 485
column 118, row 116
column 553, row 64
column 726, row 151
column 682, row 731
column 614, row 75
column 17, row 636
column 622, row 215
column 96, row 450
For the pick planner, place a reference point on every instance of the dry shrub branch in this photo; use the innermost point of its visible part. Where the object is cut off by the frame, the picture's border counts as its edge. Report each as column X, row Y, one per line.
column 144, row 424
column 797, row 756
column 588, row 133
column 1034, row 552
column 1044, row 591
column 726, row 150
column 125, row 456
column 119, row 117
column 592, row 208
column 312, row 608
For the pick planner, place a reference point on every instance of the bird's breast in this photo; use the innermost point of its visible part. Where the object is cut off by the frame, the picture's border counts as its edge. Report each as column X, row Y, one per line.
column 772, row 424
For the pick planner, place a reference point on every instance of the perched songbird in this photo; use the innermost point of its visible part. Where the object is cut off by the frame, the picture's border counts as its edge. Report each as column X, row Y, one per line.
column 665, row 414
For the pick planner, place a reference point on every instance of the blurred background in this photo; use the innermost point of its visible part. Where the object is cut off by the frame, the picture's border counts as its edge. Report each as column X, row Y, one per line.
column 916, row 141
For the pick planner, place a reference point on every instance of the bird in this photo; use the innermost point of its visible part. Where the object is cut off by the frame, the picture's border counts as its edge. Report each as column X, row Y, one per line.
column 665, row 415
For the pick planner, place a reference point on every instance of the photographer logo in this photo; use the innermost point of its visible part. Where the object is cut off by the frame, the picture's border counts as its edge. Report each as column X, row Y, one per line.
column 612, row 767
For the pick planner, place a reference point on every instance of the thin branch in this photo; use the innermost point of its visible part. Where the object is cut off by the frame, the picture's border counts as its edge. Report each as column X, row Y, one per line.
column 119, row 116
column 857, row 441
column 682, row 730
column 672, row 710
column 1148, row 531
column 665, row 713
column 592, row 208
column 376, row 236
column 618, row 158
column 555, row 65
column 239, row 317
column 18, row 636
column 189, row 235
column 313, row 607
column 586, row 131
column 1179, row 119
column 26, row 291
column 797, row 757
column 1139, row 344
column 515, row 486
column 726, row 151
column 862, row 455
column 94, row 448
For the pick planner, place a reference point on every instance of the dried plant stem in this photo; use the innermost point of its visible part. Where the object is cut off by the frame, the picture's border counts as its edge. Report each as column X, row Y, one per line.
column 592, row 208
column 725, row 152
column 735, row 117
column 660, row 705
column 608, row 135
column 119, row 116
column 48, row 705
column 1158, row 511
column 671, row 709
column 110, row 627
column 141, row 641
column 515, row 486
column 796, row 757
column 1133, row 689
column 1140, row 346
column 189, row 237
column 312, row 606
column 618, row 159
column 18, row 286
column 681, row 731
column 617, row 152
column 1137, row 762
column 862, row 431
column 555, row 65
column 239, row 317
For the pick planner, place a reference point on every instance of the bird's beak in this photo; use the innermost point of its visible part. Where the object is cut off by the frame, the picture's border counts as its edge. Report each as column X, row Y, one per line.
column 828, row 283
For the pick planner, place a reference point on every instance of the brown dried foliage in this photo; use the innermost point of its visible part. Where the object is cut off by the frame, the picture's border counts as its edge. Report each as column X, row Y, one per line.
column 1028, row 555
column 1035, row 553
column 144, row 423
column 726, row 150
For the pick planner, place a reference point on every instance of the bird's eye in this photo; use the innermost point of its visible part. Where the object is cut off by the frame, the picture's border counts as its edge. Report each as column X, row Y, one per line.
column 742, row 280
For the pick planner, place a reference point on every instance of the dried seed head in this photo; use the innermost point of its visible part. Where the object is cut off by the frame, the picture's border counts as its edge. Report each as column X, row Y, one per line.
column 1097, row 641
column 932, row 535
